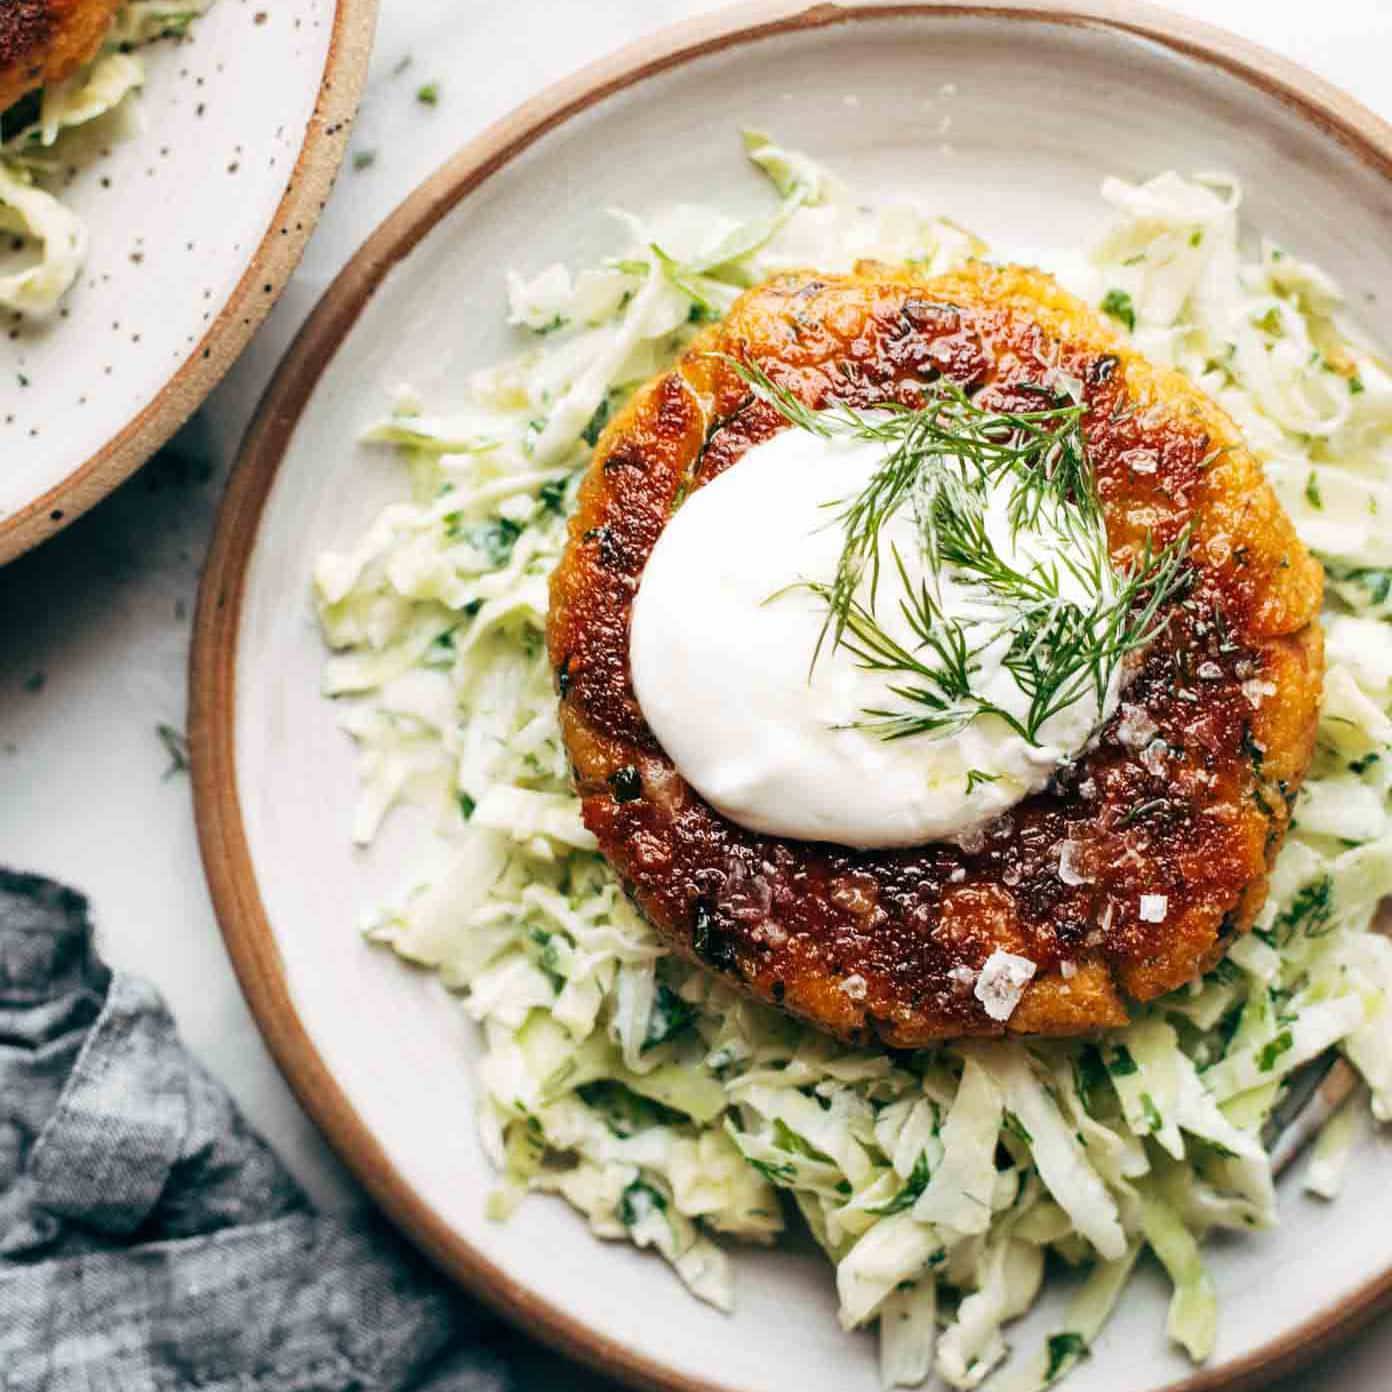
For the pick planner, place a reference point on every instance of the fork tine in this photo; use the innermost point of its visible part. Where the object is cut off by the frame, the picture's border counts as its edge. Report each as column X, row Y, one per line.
column 1303, row 1113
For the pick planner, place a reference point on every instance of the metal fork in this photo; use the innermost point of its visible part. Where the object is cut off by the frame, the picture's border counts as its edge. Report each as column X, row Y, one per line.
column 1316, row 1092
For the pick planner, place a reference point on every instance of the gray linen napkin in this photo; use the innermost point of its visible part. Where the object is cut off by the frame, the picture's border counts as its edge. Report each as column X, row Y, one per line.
column 149, row 1240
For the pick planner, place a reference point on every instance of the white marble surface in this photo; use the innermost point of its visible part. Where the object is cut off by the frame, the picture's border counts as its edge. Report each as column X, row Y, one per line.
column 94, row 628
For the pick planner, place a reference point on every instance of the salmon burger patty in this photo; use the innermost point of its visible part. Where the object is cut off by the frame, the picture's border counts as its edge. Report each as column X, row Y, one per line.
column 1169, row 820
column 43, row 41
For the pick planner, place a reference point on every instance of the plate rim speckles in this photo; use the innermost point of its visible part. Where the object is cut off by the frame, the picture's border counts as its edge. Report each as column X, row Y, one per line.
column 251, row 939
column 266, row 273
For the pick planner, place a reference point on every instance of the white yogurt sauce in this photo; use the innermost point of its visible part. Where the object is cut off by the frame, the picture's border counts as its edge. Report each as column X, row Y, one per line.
column 721, row 653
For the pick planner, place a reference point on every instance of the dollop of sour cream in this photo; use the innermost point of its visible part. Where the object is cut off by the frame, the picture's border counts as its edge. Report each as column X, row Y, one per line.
column 721, row 645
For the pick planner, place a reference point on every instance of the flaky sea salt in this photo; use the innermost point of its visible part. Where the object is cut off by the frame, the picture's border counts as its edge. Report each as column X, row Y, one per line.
column 1070, row 869
column 1139, row 461
column 1154, row 907
column 1068, row 970
column 854, row 986
column 1002, row 982
column 1153, row 757
column 1104, row 926
column 1136, row 729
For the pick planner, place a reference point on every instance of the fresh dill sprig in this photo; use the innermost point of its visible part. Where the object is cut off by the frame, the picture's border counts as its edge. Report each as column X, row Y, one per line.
column 941, row 452
column 943, row 459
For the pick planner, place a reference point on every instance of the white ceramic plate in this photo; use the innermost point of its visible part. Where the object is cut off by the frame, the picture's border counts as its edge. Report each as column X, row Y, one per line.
column 197, row 216
column 1006, row 121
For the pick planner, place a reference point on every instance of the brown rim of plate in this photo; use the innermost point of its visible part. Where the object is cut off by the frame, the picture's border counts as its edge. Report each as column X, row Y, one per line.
column 226, row 856
column 266, row 275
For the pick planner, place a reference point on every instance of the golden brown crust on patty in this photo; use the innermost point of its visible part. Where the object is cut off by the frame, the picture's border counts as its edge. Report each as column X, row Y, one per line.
column 1186, row 794
column 44, row 41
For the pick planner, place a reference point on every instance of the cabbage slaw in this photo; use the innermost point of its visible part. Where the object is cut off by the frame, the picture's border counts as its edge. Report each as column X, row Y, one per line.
column 53, row 241
column 671, row 1111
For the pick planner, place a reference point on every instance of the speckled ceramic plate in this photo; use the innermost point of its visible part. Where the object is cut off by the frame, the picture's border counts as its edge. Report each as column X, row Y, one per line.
column 197, row 217
column 1004, row 116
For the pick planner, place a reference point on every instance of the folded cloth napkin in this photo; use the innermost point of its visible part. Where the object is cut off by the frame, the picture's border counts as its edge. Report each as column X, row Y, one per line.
column 149, row 1240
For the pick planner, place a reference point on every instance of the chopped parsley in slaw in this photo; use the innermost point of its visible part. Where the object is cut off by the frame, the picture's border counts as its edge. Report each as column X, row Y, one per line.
column 673, row 1112
column 50, row 241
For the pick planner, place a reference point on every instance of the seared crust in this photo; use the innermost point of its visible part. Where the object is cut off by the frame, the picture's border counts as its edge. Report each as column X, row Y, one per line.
column 44, row 41
column 862, row 943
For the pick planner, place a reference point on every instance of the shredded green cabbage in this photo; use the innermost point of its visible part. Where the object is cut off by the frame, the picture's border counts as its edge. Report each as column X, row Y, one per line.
column 39, row 220
column 51, row 241
column 667, row 1108
column 1329, row 1156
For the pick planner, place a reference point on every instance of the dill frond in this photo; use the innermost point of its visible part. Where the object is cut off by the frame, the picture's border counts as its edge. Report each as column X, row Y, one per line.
column 943, row 459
